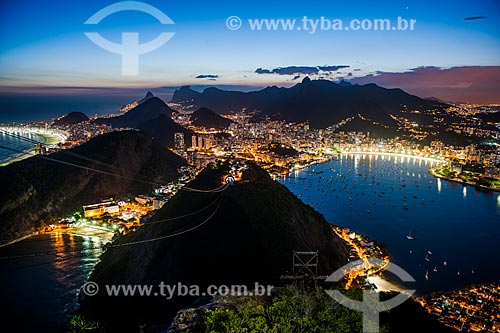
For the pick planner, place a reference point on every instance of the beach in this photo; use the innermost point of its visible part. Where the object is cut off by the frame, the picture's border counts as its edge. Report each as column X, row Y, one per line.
column 48, row 140
column 382, row 284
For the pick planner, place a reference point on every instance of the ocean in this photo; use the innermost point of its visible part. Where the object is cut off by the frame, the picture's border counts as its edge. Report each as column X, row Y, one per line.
column 368, row 194
column 15, row 109
column 31, row 108
column 17, row 144
column 39, row 293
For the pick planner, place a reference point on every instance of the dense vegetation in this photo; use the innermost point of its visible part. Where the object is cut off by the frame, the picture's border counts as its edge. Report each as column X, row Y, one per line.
column 249, row 238
column 469, row 175
column 297, row 310
column 311, row 310
column 37, row 190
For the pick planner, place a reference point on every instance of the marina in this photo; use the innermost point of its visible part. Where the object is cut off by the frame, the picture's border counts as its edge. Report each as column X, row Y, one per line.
column 415, row 214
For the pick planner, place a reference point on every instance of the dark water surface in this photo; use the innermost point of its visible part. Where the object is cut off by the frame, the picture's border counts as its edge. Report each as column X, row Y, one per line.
column 16, row 144
column 38, row 293
column 384, row 197
column 368, row 194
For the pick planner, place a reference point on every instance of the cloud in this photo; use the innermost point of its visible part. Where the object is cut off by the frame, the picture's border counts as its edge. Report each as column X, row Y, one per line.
column 332, row 68
column 297, row 70
column 474, row 84
column 474, row 18
column 207, row 76
column 263, row 71
column 294, row 70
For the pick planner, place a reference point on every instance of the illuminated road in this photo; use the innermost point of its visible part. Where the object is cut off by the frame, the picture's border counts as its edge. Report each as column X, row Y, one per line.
column 368, row 269
column 420, row 157
column 51, row 139
column 52, row 136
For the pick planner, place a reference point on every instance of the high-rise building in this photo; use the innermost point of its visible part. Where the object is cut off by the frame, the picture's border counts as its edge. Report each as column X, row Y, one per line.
column 208, row 141
column 179, row 142
column 202, row 141
column 40, row 149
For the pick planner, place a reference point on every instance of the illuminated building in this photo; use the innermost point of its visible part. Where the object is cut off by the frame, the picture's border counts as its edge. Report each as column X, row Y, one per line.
column 143, row 200
column 96, row 210
column 179, row 142
column 159, row 201
column 202, row 141
column 40, row 149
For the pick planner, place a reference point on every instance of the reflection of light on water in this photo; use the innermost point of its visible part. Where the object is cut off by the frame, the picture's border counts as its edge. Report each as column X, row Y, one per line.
column 464, row 191
column 75, row 257
column 59, row 243
column 391, row 173
column 72, row 241
column 61, row 263
column 86, row 241
column 356, row 163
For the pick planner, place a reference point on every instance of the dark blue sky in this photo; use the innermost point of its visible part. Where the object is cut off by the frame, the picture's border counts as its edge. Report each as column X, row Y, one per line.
column 43, row 42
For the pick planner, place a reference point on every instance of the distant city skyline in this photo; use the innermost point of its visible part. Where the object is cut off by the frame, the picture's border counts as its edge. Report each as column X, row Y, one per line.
column 453, row 53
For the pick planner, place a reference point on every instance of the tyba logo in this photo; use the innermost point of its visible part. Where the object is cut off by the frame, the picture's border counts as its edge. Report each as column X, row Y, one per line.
column 129, row 49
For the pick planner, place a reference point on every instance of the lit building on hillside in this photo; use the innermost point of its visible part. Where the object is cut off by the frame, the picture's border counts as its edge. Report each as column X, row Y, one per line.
column 96, row 210
column 179, row 142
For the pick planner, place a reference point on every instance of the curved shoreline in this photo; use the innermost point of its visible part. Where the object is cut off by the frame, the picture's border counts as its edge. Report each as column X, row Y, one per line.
column 463, row 182
column 382, row 282
column 48, row 140
column 431, row 170
column 430, row 159
column 14, row 241
column 371, row 153
column 106, row 235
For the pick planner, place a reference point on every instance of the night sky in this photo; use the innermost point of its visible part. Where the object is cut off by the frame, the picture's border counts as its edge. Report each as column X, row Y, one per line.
column 43, row 45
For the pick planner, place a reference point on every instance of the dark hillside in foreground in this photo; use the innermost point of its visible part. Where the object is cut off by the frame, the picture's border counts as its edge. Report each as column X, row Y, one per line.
column 250, row 238
column 36, row 191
